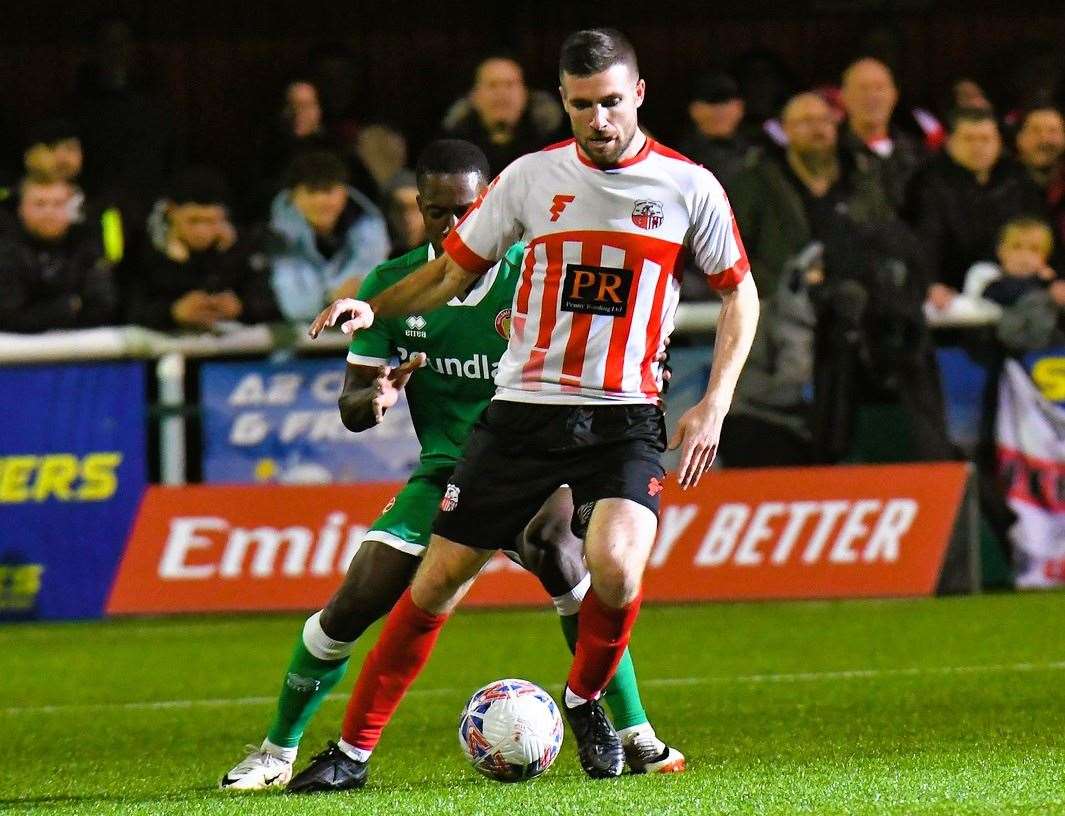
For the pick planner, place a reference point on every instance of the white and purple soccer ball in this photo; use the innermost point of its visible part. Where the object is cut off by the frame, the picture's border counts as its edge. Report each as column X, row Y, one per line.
column 511, row 730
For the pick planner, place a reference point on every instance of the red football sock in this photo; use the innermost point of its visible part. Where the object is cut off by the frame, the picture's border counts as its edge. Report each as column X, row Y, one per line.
column 602, row 636
column 396, row 659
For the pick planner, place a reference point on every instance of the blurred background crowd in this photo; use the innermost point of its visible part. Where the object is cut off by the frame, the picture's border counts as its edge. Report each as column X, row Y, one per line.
column 879, row 216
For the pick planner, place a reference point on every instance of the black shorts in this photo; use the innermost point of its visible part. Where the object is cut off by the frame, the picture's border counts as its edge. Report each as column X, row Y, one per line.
column 520, row 453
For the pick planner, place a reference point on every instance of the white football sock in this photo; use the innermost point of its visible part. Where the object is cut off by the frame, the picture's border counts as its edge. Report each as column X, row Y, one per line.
column 572, row 700
column 358, row 754
column 319, row 644
column 570, row 603
column 287, row 754
column 643, row 731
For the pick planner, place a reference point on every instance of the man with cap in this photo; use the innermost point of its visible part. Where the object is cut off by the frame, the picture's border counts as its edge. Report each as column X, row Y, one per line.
column 715, row 139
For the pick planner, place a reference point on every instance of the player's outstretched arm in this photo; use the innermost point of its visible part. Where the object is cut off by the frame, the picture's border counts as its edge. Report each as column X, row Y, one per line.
column 369, row 391
column 699, row 428
column 428, row 287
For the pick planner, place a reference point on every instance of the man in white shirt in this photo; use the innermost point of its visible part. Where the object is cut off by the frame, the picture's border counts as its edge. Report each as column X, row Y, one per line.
column 608, row 218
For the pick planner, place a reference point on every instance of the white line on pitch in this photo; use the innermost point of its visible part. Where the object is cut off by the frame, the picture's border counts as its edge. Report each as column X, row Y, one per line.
column 796, row 677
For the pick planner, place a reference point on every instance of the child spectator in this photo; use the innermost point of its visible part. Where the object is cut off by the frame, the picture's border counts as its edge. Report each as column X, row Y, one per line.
column 1024, row 247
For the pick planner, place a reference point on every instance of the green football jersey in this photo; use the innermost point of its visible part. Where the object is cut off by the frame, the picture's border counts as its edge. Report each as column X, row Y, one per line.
column 463, row 342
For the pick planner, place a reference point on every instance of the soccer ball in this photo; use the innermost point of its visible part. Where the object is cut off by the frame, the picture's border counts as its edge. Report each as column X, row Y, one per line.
column 511, row 730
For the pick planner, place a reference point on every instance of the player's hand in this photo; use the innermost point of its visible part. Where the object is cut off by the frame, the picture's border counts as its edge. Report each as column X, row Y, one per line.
column 390, row 381
column 228, row 305
column 662, row 358
column 941, row 295
column 360, row 311
column 194, row 310
column 697, row 436
column 1057, row 293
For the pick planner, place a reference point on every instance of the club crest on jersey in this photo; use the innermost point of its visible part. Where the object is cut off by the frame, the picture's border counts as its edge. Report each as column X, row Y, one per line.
column 451, row 498
column 647, row 215
column 415, row 326
column 503, row 324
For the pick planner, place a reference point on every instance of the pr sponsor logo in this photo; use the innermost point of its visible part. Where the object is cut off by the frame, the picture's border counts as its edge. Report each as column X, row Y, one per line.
column 596, row 290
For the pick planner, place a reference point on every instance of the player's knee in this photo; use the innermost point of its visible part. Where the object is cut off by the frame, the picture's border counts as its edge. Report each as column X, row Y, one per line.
column 616, row 583
column 549, row 533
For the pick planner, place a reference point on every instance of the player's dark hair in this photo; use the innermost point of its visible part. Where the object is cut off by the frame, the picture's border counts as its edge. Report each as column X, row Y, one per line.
column 316, row 169
column 451, row 157
column 959, row 116
column 594, row 50
column 199, row 185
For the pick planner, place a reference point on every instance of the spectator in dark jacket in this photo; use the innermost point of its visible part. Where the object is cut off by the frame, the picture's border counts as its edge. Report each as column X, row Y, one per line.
column 53, row 150
column 716, row 139
column 960, row 201
column 203, row 275
column 53, row 273
column 785, row 202
column 1041, row 149
column 889, row 155
column 501, row 116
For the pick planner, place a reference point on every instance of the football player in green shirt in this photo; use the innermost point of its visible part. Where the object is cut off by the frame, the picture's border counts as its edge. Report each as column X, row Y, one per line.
column 458, row 349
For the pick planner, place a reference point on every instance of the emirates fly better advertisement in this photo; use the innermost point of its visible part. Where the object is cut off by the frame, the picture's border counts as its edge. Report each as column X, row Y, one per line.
column 781, row 533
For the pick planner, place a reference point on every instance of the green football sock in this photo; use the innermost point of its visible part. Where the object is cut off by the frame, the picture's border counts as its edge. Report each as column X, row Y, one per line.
column 622, row 695
column 307, row 683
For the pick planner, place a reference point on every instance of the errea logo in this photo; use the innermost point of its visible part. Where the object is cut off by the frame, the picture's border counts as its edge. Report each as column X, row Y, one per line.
column 415, row 326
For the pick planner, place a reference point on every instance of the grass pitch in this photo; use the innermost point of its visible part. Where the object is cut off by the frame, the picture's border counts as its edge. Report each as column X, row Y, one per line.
column 947, row 706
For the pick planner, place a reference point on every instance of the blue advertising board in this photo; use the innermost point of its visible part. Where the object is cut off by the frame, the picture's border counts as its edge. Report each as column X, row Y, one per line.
column 278, row 422
column 72, row 472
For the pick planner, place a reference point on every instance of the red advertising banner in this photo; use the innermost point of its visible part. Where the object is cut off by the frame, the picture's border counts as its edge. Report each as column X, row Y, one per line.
column 862, row 531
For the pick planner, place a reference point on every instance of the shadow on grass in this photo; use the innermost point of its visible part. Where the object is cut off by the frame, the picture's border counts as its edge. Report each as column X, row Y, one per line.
column 30, row 803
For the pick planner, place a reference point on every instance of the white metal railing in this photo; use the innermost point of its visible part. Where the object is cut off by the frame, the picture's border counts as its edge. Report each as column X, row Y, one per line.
column 172, row 350
column 135, row 342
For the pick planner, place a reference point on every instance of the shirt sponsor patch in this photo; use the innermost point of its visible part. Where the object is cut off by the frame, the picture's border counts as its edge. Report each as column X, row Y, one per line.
column 596, row 290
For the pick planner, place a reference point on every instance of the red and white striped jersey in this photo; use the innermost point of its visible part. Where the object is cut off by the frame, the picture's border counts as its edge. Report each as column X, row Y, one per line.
column 600, row 279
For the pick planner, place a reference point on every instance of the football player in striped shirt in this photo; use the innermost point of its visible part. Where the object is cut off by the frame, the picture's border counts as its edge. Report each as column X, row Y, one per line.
column 607, row 219
column 462, row 342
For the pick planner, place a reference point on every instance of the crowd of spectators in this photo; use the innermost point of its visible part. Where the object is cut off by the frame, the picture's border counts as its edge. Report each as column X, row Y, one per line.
column 864, row 222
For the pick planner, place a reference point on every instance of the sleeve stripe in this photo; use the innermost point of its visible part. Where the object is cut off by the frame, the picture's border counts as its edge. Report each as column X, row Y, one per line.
column 728, row 278
column 359, row 359
column 464, row 256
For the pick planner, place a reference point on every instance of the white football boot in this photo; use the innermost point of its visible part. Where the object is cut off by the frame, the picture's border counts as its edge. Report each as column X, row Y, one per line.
column 259, row 770
column 646, row 753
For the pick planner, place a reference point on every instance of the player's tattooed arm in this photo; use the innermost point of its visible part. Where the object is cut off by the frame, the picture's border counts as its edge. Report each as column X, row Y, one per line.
column 369, row 391
column 699, row 429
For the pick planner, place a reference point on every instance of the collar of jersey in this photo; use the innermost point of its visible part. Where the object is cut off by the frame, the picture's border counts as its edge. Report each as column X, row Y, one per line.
column 645, row 151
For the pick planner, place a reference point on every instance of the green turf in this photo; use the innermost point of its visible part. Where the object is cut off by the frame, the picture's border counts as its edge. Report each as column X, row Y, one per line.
column 945, row 706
